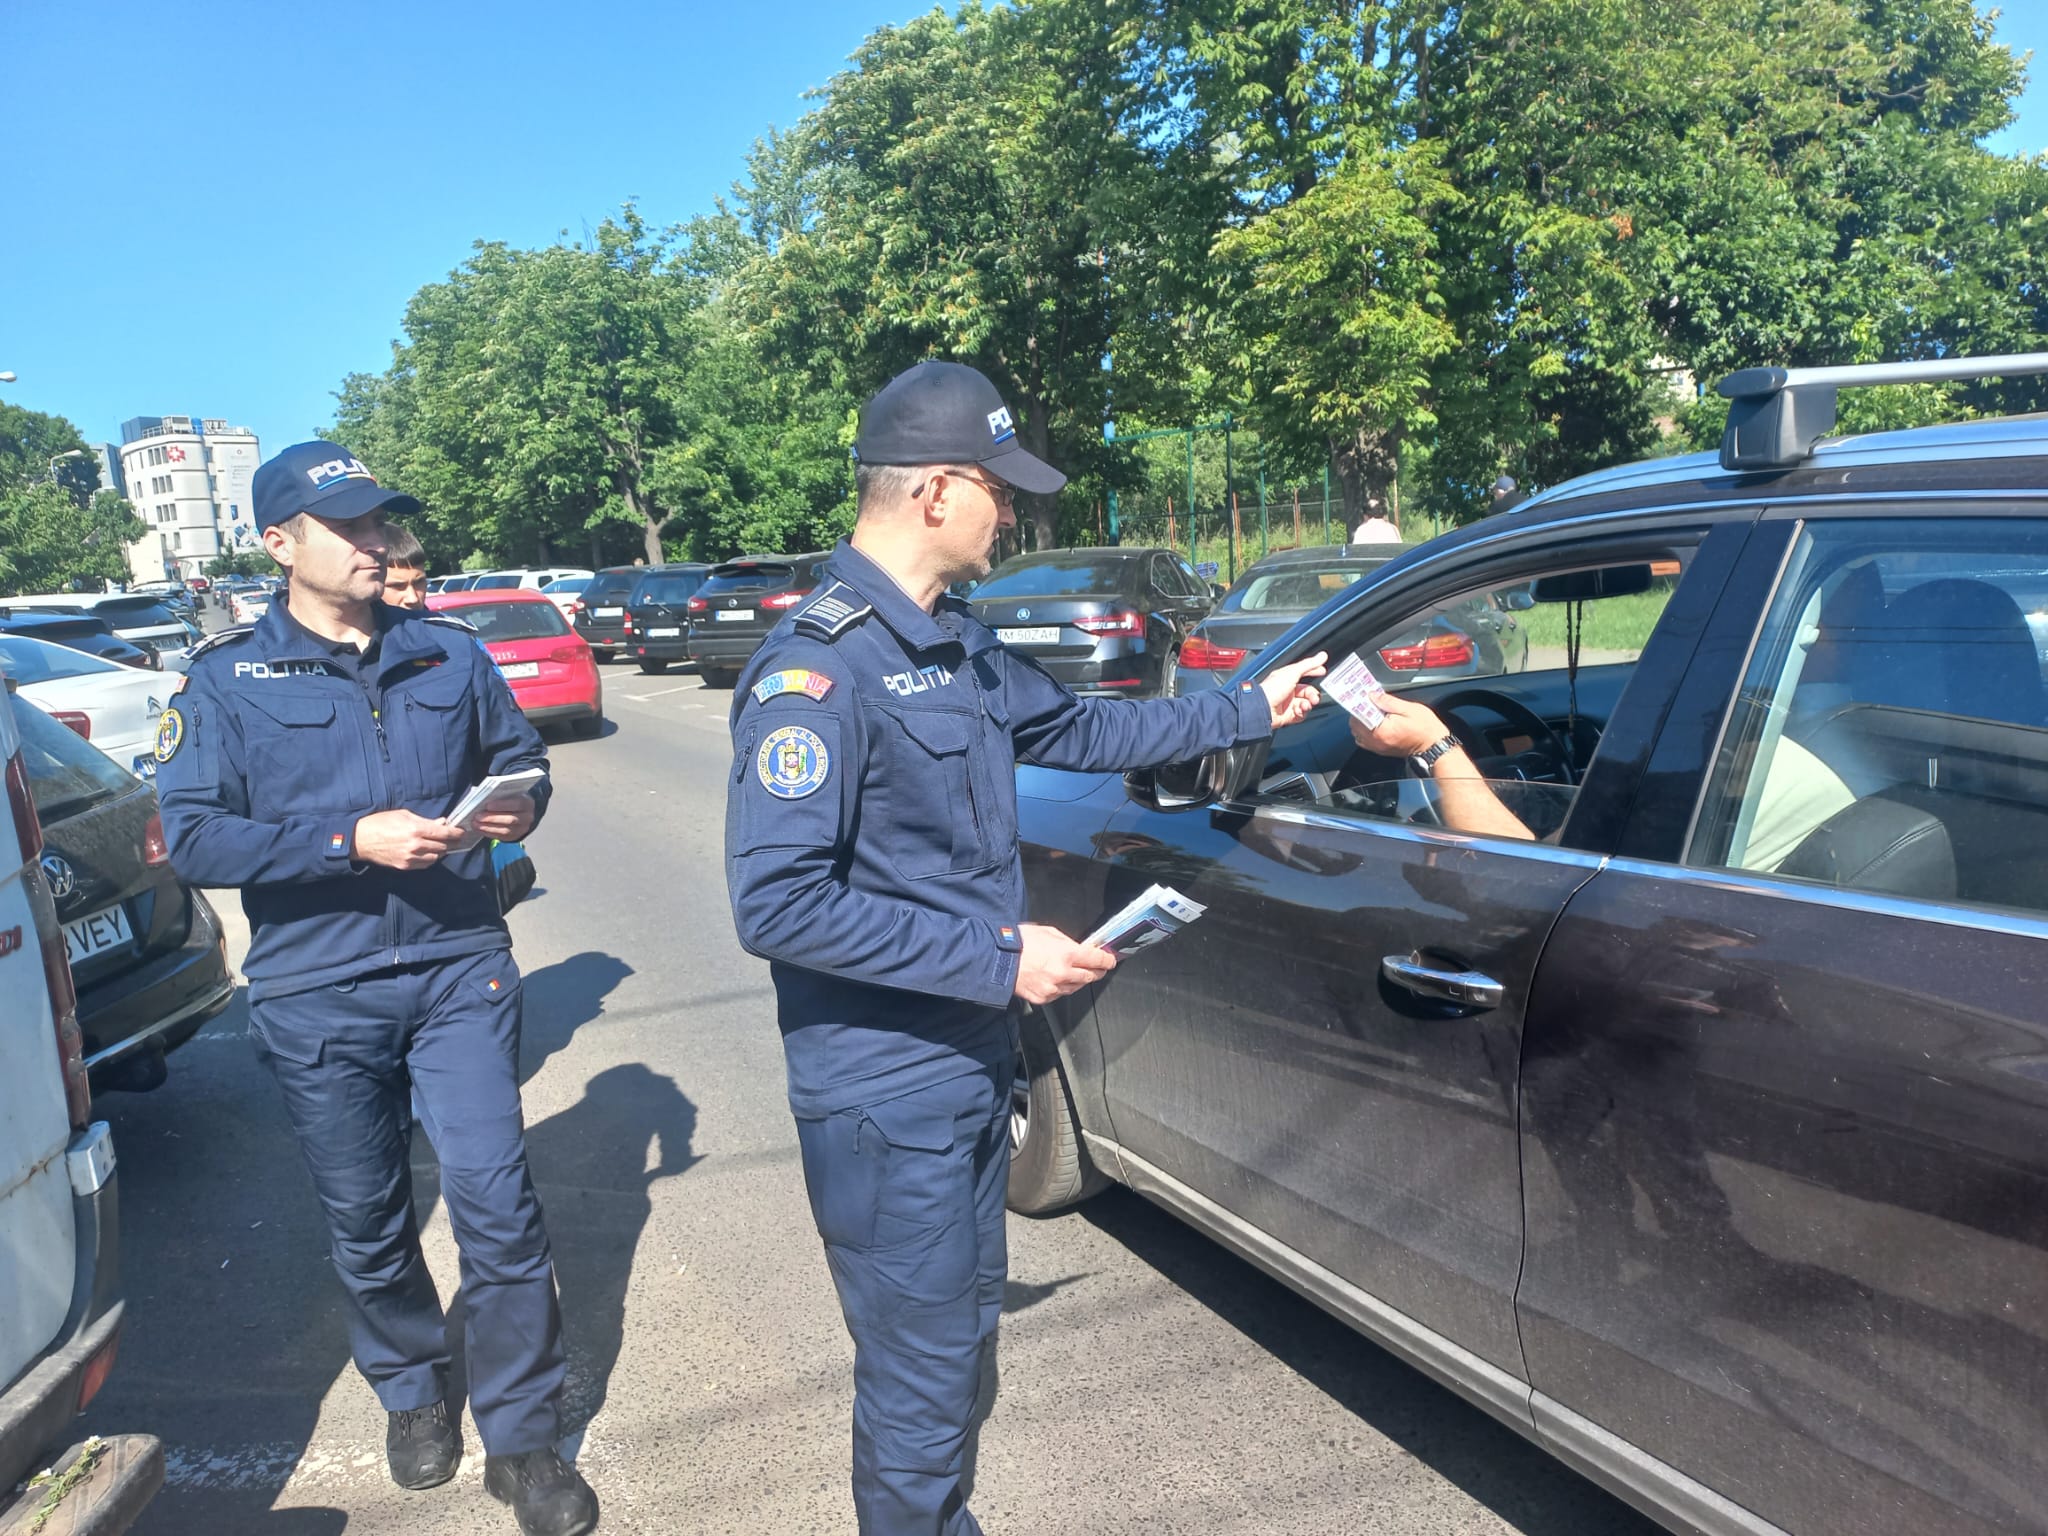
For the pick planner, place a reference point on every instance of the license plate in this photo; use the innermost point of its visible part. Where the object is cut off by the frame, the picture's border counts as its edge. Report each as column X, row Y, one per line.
column 521, row 669
column 96, row 933
column 1050, row 635
column 662, row 634
column 144, row 766
column 607, row 613
column 725, row 614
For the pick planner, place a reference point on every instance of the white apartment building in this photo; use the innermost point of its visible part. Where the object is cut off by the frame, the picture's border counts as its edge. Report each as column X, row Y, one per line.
column 188, row 479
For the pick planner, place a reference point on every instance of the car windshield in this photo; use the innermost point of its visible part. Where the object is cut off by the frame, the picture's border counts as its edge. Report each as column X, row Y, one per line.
column 495, row 583
column 1292, row 588
column 610, row 586
column 31, row 661
column 514, row 621
column 748, row 578
column 66, row 773
column 678, row 587
column 135, row 613
column 1072, row 576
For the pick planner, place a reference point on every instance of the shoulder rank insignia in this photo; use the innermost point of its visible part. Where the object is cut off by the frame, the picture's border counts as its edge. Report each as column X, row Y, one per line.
column 834, row 611
column 218, row 637
column 814, row 685
column 792, row 762
column 451, row 621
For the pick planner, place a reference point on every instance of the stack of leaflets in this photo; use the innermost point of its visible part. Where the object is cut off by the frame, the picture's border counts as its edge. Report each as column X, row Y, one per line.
column 1159, row 913
column 1353, row 686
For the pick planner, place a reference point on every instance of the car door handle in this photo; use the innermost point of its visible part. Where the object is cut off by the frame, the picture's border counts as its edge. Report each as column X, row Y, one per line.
column 1470, row 989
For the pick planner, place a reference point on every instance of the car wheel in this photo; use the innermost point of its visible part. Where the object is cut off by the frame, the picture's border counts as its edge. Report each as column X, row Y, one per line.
column 1169, row 671
column 654, row 668
column 718, row 677
column 1049, row 1169
column 589, row 726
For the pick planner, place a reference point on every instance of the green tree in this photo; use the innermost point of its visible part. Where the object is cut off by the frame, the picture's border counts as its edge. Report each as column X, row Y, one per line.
column 58, row 531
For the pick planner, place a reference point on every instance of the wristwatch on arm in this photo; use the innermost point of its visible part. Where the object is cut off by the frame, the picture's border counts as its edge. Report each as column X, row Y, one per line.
column 1429, row 756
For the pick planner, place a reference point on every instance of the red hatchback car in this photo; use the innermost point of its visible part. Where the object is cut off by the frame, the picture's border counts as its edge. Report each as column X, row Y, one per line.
column 550, row 667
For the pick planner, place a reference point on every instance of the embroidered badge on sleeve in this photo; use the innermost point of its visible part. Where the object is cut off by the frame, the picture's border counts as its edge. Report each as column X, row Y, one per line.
column 813, row 685
column 792, row 762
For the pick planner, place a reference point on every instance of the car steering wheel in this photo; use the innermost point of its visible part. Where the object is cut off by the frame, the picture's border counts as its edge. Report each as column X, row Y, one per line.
column 1512, row 712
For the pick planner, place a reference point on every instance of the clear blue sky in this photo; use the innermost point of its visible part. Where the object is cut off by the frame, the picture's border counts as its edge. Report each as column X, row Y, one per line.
column 222, row 210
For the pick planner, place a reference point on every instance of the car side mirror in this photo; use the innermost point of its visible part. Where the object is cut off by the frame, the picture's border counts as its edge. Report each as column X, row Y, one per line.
column 1519, row 600
column 1217, row 589
column 1224, row 775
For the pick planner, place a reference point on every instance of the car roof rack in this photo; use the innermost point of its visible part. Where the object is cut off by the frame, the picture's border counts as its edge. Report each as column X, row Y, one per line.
column 1776, row 415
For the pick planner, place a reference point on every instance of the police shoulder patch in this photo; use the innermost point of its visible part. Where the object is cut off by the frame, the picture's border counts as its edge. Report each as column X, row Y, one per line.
column 170, row 735
column 792, row 762
column 812, row 685
column 834, row 611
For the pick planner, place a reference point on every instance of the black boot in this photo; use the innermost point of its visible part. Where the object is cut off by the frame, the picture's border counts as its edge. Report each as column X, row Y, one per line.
column 547, row 1494
column 424, row 1446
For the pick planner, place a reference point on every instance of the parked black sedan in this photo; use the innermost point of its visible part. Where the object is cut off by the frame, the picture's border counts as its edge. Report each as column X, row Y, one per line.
column 602, row 619
column 147, row 954
column 1479, row 636
column 739, row 602
column 657, row 632
column 1108, row 620
column 78, row 632
column 1694, row 1119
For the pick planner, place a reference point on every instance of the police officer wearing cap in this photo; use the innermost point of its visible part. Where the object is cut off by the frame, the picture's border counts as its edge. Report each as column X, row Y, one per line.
column 309, row 760
column 871, row 856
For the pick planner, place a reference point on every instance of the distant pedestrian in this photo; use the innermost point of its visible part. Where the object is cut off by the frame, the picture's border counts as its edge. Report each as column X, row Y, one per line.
column 405, row 569
column 871, row 854
column 310, row 760
column 1375, row 527
column 1503, row 497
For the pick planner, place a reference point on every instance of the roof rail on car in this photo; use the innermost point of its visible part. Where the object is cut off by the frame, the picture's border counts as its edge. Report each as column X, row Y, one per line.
column 1778, row 414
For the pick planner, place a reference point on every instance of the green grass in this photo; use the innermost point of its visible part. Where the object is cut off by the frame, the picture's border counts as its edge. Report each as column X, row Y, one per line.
column 1609, row 624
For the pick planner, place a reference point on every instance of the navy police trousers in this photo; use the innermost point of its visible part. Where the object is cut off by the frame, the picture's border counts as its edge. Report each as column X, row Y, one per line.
column 908, row 1196
column 350, row 1058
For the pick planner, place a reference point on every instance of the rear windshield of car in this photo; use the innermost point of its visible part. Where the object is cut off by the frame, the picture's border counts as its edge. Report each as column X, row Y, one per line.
column 515, row 621
column 610, row 586
column 674, row 587
column 1079, row 577
column 66, row 773
column 137, row 613
column 748, row 578
column 26, row 661
column 562, row 584
column 1292, row 588
column 494, row 583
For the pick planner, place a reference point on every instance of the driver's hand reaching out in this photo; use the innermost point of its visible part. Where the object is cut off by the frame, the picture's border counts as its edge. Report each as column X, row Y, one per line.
column 1408, row 729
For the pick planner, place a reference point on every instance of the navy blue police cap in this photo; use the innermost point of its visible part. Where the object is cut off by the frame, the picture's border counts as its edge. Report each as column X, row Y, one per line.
column 948, row 413
column 324, row 479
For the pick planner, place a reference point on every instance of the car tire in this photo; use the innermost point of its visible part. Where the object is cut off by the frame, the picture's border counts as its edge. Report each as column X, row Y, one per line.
column 654, row 668
column 589, row 726
column 1049, row 1168
column 718, row 677
column 1169, row 671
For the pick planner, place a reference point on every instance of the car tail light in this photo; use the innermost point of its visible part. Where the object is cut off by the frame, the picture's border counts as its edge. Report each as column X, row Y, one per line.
column 575, row 606
column 1124, row 622
column 97, row 1369
column 568, row 653
column 1436, row 651
column 696, row 605
column 1122, row 682
column 64, row 1010
column 1202, row 656
column 155, row 850
column 629, row 623
column 786, row 599
column 23, row 804
column 78, row 720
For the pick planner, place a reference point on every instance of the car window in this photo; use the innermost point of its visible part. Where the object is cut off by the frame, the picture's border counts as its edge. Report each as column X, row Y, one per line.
column 514, row 621
column 609, row 586
column 27, row 661
column 670, row 587
column 1559, row 641
column 576, row 584
column 495, row 583
column 135, row 615
column 1290, row 588
column 66, row 773
column 1195, row 584
column 749, row 578
column 1070, row 576
column 1892, row 732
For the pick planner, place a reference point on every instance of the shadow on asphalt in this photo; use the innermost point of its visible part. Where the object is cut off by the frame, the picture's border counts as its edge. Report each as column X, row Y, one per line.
column 235, row 1331
column 1524, row 1485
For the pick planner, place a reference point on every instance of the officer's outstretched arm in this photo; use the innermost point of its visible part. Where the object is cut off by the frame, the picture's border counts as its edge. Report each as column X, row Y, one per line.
column 508, row 739
column 791, row 805
column 204, row 796
column 1052, row 727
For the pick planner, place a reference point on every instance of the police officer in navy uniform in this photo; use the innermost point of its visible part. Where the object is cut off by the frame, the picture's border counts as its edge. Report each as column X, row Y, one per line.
column 310, row 760
column 871, row 856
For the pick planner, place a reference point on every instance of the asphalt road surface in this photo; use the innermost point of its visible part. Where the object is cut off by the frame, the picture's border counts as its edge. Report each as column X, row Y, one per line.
column 1151, row 1381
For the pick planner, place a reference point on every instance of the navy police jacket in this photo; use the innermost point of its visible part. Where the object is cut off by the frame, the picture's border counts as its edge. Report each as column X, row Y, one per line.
column 871, row 823
column 275, row 748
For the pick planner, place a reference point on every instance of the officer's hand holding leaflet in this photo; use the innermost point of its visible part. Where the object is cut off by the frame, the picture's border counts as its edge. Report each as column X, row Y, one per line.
column 1051, row 965
column 1290, row 697
column 402, row 839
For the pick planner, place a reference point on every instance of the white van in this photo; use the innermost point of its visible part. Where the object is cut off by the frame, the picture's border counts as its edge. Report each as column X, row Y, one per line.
column 60, row 1300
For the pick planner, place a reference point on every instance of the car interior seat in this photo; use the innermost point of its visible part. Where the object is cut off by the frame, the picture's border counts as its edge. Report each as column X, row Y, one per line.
column 1955, row 647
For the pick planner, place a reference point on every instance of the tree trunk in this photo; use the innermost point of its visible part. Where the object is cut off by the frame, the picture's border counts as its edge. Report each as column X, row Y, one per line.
column 1363, row 462
column 650, row 525
column 1043, row 512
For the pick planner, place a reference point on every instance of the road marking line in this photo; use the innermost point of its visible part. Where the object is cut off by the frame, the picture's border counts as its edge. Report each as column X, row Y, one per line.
column 659, row 693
